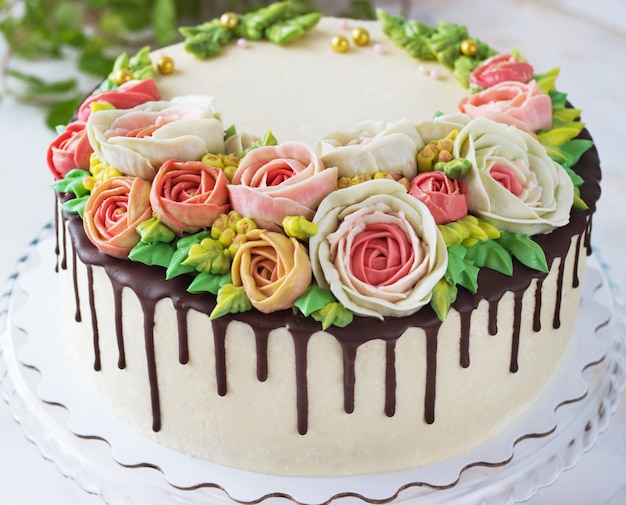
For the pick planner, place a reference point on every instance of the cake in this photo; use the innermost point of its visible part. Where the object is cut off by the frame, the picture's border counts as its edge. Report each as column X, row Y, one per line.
column 312, row 246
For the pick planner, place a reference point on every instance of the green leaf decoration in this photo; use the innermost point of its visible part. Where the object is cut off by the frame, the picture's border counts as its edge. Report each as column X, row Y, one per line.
column 266, row 140
column 460, row 270
column 76, row 205
column 574, row 149
column 209, row 256
column 287, row 31
column 443, row 296
column 231, row 299
column 560, row 135
column 153, row 254
column 490, row 254
column 333, row 314
column 526, row 251
column 176, row 266
column 207, row 39
column 252, row 25
column 207, row 282
column 546, row 83
column 314, row 298
column 72, row 183
column 164, row 21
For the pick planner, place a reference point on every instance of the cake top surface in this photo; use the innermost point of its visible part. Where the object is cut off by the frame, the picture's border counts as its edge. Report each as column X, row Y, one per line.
column 304, row 90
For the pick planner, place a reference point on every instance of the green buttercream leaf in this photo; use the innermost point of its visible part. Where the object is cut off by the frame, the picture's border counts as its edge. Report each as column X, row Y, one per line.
column 460, row 270
column 159, row 254
column 558, row 97
column 560, row 135
column 578, row 203
column 490, row 254
column 289, row 30
column 252, row 25
column 443, row 296
column 526, row 251
column 563, row 115
column 176, row 267
column 207, row 282
column 231, row 299
column 72, row 183
column 209, row 256
column 76, row 205
column 314, row 298
column 153, row 231
column 207, row 39
column 333, row 313
column 574, row 149
column 546, row 81
column 266, row 140
column 577, row 180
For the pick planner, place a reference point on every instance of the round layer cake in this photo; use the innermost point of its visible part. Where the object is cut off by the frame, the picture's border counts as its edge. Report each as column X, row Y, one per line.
column 381, row 380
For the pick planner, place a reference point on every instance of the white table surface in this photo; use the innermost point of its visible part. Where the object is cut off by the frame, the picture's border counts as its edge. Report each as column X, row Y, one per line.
column 588, row 48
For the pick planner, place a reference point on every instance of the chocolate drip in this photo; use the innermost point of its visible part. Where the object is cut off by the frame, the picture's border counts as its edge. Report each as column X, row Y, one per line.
column 538, row 300
column 150, row 286
column 556, row 322
column 97, row 363
column 465, row 339
column 77, row 315
column 119, row 330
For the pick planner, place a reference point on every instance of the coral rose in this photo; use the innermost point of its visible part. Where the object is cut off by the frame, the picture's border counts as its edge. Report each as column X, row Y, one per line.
column 377, row 249
column 273, row 182
column 128, row 95
column 113, row 211
column 273, row 269
column 70, row 150
column 445, row 198
column 188, row 195
column 512, row 103
column 500, row 68
column 513, row 183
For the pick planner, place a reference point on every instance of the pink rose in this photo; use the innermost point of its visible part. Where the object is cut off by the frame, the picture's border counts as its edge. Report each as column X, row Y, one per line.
column 445, row 198
column 127, row 96
column 188, row 195
column 113, row 211
column 277, row 181
column 512, row 103
column 71, row 149
column 500, row 68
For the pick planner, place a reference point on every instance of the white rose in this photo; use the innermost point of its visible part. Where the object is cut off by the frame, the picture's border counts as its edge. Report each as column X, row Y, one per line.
column 378, row 249
column 372, row 146
column 138, row 141
column 514, row 184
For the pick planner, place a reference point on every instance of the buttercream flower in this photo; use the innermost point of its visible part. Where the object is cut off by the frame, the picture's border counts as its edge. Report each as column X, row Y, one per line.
column 71, row 149
column 188, row 195
column 513, row 183
column 513, row 103
column 273, row 269
column 113, row 211
column 378, row 249
column 273, row 182
column 445, row 198
column 128, row 95
column 372, row 146
column 139, row 140
column 500, row 68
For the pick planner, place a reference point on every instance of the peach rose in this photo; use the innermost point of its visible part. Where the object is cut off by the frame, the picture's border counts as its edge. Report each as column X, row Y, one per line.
column 513, row 103
column 500, row 68
column 445, row 198
column 127, row 96
column 378, row 249
column 71, row 149
column 188, row 195
column 113, row 211
column 273, row 269
column 273, row 182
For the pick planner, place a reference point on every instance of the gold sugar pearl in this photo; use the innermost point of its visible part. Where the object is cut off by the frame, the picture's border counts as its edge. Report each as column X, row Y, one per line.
column 229, row 20
column 340, row 44
column 122, row 75
column 469, row 47
column 360, row 36
column 165, row 65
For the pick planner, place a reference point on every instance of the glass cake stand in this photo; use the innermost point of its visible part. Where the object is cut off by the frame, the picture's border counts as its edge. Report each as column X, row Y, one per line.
column 106, row 458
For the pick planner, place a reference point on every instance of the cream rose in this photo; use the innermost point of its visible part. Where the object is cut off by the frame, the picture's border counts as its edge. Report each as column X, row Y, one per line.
column 513, row 182
column 138, row 141
column 273, row 269
column 378, row 249
column 372, row 146
column 113, row 211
